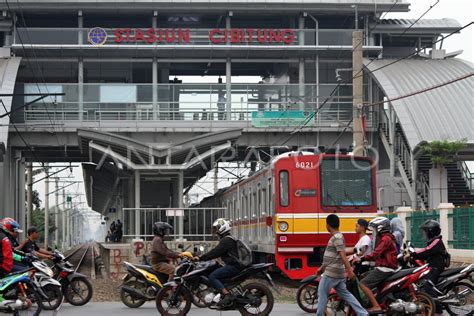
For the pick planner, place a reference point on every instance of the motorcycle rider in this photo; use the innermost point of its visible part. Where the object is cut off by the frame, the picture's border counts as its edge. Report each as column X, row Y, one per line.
column 362, row 246
column 227, row 251
column 385, row 257
column 29, row 245
column 160, row 253
column 434, row 254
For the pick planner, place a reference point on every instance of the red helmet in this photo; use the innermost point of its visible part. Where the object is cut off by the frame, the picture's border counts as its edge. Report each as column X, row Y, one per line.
column 10, row 225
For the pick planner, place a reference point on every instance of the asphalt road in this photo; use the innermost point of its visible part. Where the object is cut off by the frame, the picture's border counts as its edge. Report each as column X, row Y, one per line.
column 117, row 308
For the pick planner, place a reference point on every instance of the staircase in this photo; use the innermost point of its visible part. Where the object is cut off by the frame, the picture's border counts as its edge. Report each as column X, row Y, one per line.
column 460, row 180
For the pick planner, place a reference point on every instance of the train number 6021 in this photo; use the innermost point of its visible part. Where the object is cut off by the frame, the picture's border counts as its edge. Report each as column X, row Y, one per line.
column 304, row 165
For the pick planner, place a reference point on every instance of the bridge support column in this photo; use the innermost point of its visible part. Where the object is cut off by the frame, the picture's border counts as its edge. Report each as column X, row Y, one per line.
column 438, row 186
column 180, row 204
column 137, row 204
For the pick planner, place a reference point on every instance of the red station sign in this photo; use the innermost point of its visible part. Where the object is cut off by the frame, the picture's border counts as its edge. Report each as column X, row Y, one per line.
column 215, row 36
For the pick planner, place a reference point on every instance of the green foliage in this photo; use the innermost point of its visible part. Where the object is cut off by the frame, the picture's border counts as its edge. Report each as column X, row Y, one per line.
column 36, row 199
column 37, row 220
column 443, row 151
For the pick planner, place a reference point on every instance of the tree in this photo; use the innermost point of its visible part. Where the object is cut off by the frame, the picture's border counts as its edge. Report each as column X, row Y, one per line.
column 37, row 220
column 443, row 151
column 36, row 199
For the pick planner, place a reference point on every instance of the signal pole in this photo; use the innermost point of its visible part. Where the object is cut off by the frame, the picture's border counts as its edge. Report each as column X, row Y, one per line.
column 56, row 214
column 357, row 93
column 29, row 184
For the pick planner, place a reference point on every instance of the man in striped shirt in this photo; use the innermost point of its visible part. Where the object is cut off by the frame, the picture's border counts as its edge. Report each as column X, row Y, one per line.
column 333, row 270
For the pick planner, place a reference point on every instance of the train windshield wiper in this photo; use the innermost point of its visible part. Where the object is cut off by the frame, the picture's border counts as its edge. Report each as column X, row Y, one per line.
column 333, row 200
column 352, row 201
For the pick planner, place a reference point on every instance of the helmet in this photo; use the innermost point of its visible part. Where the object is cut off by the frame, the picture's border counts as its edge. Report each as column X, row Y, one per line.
column 162, row 228
column 431, row 228
column 221, row 226
column 380, row 225
column 10, row 225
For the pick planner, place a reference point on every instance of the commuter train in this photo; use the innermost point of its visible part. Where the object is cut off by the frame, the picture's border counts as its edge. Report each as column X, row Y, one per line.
column 280, row 210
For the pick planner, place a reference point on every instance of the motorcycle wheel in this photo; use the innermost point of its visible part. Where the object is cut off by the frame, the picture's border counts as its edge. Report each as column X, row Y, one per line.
column 128, row 299
column 427, row 302
column 78, row 292
column 55, row 297
column 307, row 297
column 199, row 295
column 165, row 304
column 467, row 301
column 264, row 296
column 337, row 307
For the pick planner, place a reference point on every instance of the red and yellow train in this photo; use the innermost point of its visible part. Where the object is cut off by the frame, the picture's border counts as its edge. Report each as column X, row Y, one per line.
column 280, row 210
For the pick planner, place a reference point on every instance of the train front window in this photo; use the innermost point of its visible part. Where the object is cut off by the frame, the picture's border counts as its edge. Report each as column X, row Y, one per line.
column 284, row 191
column 346, row 182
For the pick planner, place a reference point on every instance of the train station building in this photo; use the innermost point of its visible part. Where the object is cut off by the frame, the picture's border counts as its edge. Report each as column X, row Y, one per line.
column 107, row 84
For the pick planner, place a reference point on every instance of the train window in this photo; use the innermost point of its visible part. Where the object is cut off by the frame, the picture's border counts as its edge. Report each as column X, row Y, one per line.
column 284, row 182
column 293, row 264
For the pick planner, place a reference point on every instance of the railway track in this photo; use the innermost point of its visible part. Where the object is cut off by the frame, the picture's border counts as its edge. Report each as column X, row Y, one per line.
column 82, row 257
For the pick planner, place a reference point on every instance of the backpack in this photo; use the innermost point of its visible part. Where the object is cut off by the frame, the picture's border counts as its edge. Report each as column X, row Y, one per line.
column 244, row 253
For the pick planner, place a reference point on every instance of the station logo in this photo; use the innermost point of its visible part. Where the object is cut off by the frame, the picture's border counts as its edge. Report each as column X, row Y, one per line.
column 97, row 36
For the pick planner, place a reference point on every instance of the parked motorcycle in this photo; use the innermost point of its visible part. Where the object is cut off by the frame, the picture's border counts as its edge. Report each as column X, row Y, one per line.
column 253, row 298
column 397, row 295
column 76, row 287
column 14, row 290
column 307, row 294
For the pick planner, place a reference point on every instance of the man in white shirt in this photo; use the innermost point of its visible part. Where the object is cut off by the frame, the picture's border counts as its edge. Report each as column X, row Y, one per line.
column 362, row 247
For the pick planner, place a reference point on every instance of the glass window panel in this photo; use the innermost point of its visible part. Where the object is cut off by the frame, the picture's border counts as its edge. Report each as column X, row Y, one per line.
column 118, row 93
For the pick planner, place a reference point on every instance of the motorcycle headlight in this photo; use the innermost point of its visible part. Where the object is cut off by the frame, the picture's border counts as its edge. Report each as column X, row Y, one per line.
column 283, row 226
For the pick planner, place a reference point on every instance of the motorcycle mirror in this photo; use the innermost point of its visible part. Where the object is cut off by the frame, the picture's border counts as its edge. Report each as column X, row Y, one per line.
column 201, row 248
column 411, row 249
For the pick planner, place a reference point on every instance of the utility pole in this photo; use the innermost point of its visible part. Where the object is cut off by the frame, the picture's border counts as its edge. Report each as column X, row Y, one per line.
column 46, row 206
column 357, row 93
column 56, row 215
column 29, row 189
column 63, row 222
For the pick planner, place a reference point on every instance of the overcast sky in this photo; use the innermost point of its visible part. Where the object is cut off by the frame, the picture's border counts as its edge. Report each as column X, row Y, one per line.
column 461, row 10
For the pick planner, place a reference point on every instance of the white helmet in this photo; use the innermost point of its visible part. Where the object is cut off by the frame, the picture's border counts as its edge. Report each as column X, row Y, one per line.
column 221, row 226
column 380, row 224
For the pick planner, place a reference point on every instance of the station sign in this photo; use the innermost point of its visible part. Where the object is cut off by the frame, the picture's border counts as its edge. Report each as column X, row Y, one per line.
column 172, row 36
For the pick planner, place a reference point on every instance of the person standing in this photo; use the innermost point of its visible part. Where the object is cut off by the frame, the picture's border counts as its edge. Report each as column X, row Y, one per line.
column 334, row 268
column 119, row 231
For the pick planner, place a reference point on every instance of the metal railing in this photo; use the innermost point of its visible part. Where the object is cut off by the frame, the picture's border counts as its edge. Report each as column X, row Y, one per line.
column 196, row 222
column 461, row 223
column 187, row 36
column 467, row 175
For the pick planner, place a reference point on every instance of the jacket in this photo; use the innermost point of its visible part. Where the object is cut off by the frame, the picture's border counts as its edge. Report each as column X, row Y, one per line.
column 160, row 252
column 434, row 253
column 6, row 254
column 385, row 252
column 226, row 249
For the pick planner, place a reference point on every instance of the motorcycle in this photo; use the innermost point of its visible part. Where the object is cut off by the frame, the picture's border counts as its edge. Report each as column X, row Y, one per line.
column 142, row 283
column 453, row 292
column 43, row 279
column 76, row 288
column 14, row 290
column 397, row 295
column 307, row 294
column 249, row 299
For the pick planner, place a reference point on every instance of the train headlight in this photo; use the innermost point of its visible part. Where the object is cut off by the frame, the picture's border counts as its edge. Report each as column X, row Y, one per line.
column 283, row 226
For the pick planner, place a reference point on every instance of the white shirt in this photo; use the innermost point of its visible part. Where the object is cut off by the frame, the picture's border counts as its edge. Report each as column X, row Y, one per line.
column 363, row 242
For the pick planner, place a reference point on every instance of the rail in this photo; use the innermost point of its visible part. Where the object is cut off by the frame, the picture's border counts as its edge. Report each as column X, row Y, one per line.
column 191, row 224
column 82, row 256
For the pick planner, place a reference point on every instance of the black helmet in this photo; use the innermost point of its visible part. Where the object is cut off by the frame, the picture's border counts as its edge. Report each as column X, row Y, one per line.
column 162, row 228
column 431, row 228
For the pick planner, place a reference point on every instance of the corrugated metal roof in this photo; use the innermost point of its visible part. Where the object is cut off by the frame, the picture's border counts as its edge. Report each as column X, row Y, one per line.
column 443, row 113
column 423, row 25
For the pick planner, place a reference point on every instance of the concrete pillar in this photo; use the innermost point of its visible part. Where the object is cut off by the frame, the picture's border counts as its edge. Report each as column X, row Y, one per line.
column 137, row 204
column 180, row 204
column 46, row 206
column 301, row 66
column 402, row 213
column 20, row 191
column 228, row 73
column 56, row 214
column 154, row 72
column 63, row 222
column 80, row 69
column 438, row 186
column 29, row 189
column 444, row 210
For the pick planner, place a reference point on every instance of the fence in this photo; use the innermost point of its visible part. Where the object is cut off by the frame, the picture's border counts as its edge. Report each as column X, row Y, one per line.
column 415, row 220
column 192, row 224
column 461, row 220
